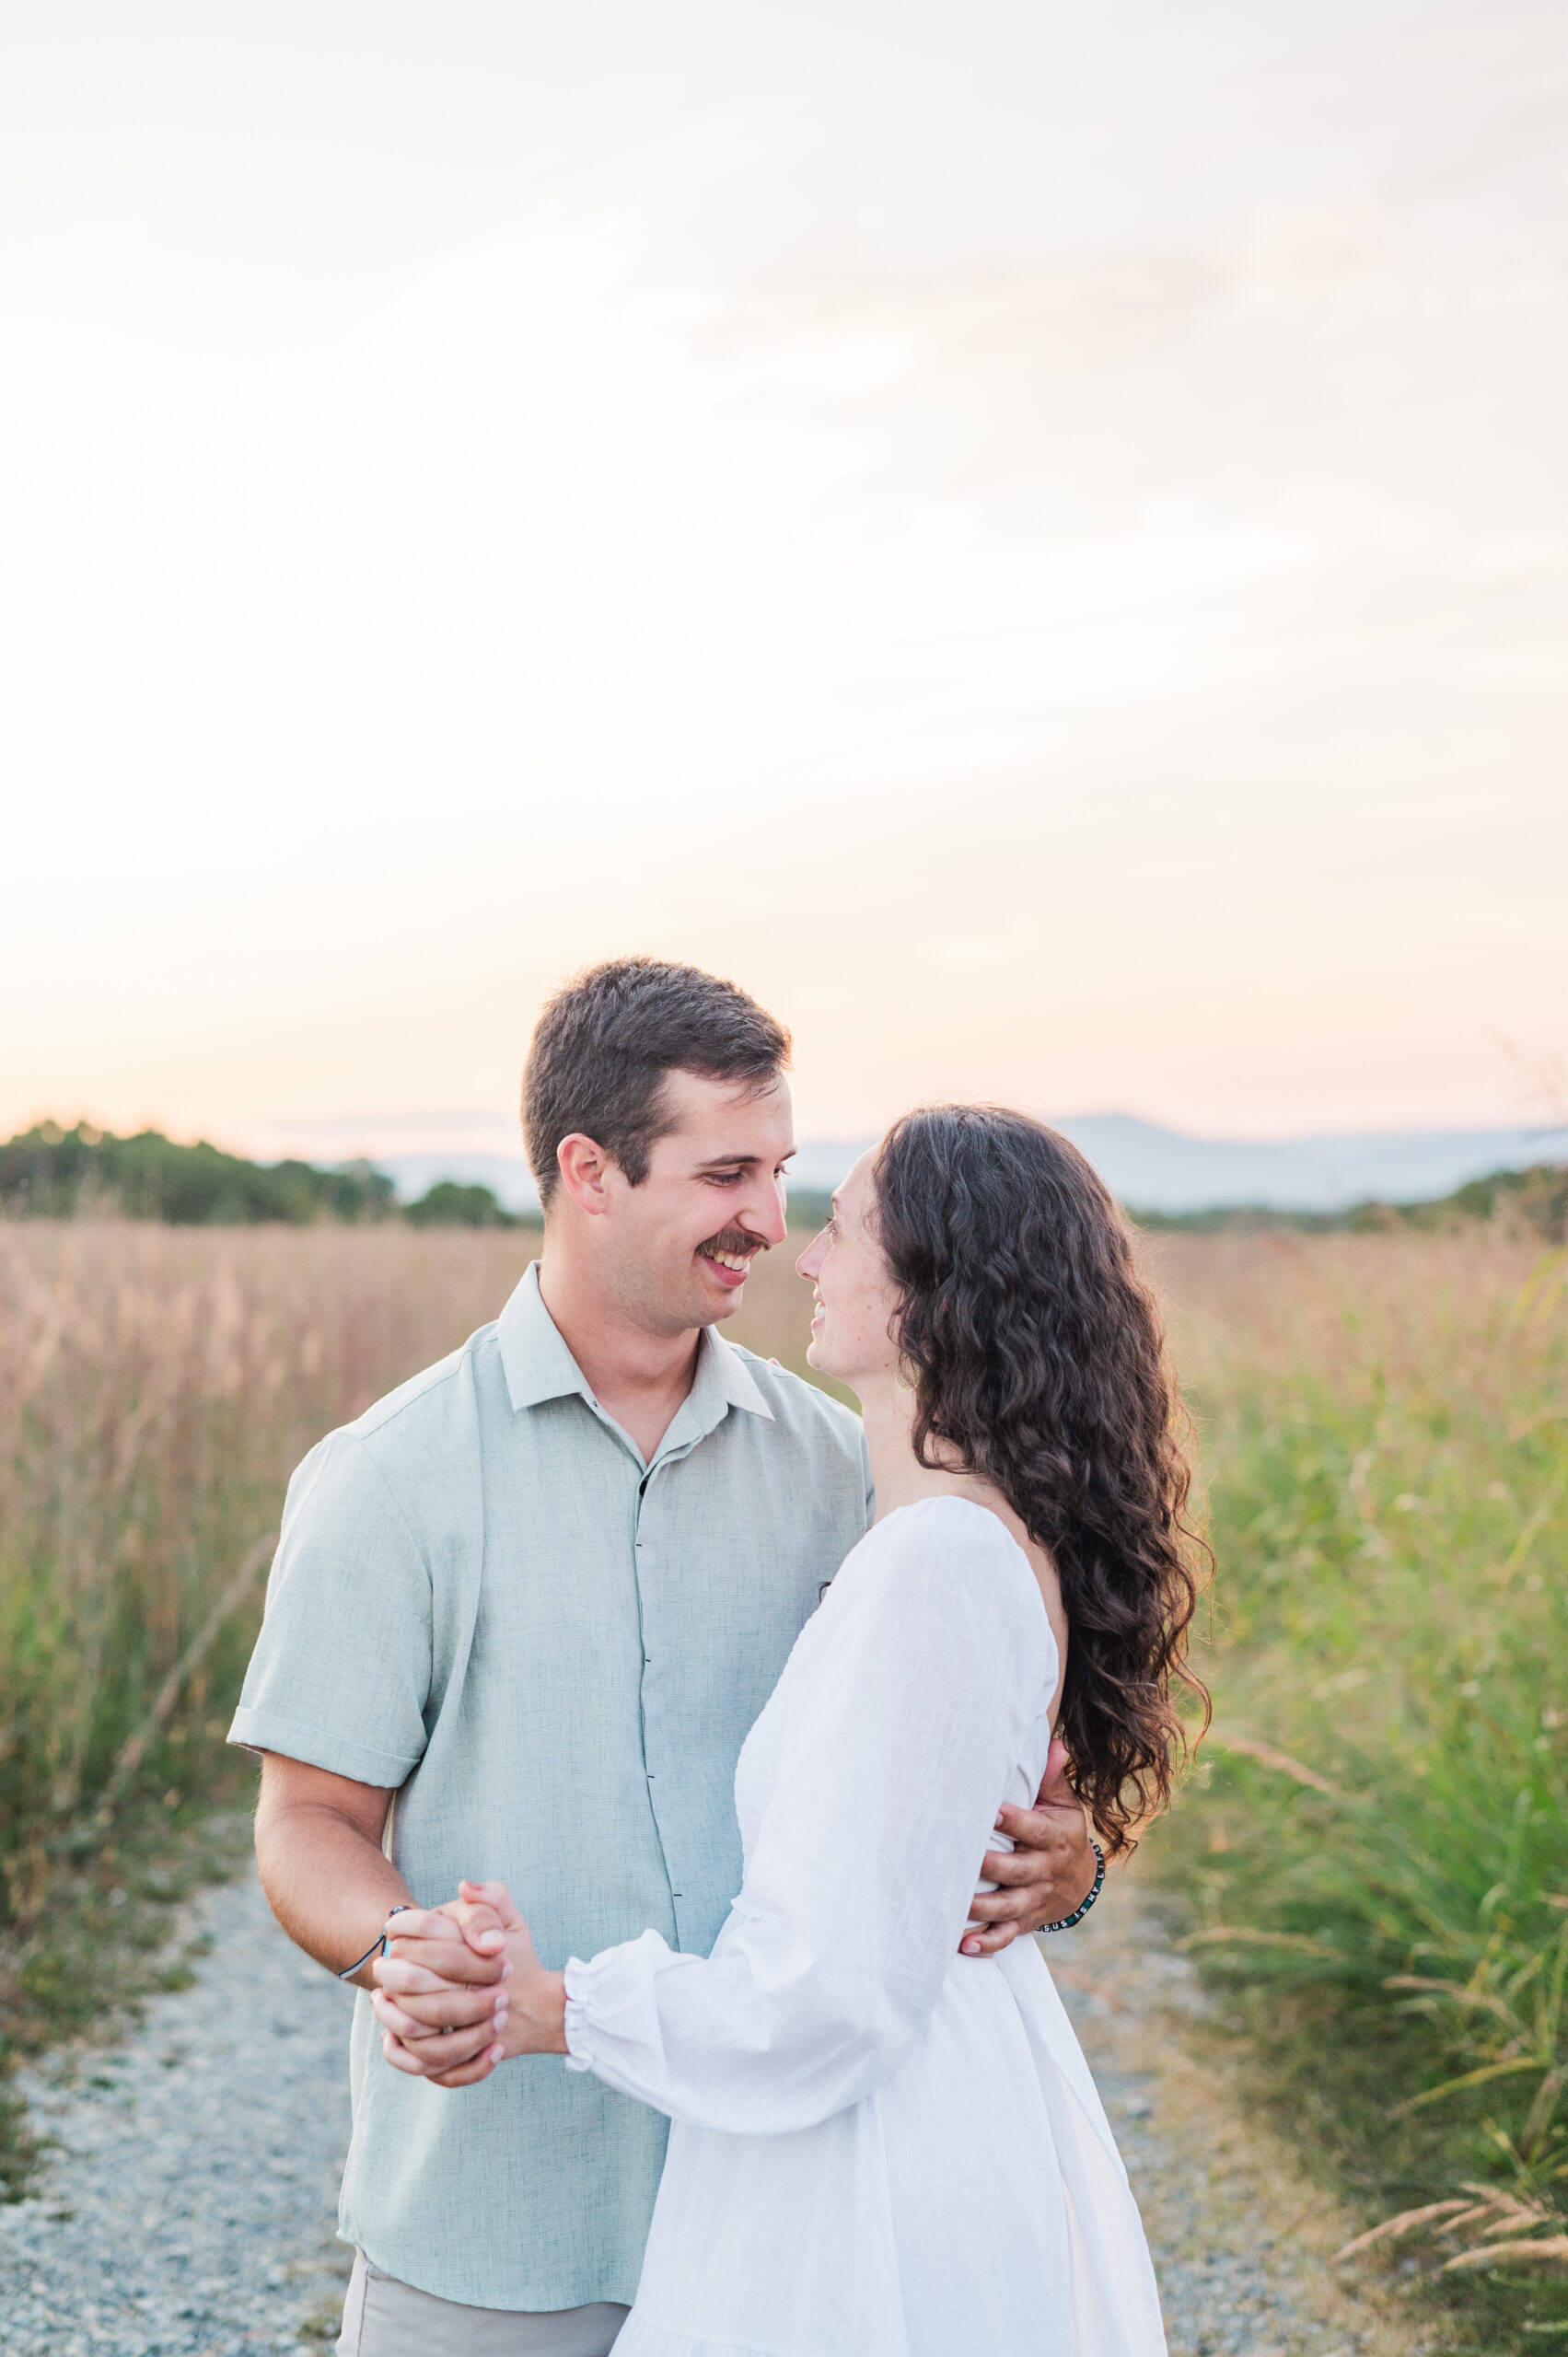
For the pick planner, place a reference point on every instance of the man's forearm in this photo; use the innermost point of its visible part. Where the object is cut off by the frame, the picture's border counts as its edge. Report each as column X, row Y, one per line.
column 327, row 1881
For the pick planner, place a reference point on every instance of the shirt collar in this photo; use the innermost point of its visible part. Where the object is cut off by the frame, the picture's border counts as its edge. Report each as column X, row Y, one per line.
column 539, row 1366
column 723, row 1373
column 533, row 1349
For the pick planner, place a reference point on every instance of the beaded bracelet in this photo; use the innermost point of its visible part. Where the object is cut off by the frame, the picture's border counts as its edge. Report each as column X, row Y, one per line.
column 1083, row 1905
column 379, row 1947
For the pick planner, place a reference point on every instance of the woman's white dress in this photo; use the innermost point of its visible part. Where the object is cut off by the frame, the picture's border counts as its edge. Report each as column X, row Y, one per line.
column 881, row 2148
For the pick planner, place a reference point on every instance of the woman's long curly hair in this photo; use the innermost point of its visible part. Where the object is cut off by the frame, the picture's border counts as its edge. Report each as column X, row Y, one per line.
column 1037, row 1357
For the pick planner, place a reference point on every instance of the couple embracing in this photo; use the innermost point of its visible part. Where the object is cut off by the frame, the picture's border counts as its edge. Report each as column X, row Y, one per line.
column 779, row 1727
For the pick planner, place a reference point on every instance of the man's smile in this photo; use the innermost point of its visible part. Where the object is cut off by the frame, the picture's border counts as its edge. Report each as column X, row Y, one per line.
column 729, row 1254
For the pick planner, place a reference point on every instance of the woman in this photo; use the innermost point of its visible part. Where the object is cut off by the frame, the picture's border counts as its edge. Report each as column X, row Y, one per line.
column 882, row 2146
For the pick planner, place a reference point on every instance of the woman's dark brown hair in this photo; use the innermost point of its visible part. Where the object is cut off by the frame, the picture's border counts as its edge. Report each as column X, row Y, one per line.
column 1038, row 1359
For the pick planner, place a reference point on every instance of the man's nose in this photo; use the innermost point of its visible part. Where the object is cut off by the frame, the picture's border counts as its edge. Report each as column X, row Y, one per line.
column 765, row 1216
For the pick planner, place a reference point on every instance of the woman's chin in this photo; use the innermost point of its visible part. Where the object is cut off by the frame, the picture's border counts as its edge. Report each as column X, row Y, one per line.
column 821, row 1358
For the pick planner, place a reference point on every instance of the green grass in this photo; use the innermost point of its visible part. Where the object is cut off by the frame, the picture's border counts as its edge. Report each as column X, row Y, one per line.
column 1373, row 1856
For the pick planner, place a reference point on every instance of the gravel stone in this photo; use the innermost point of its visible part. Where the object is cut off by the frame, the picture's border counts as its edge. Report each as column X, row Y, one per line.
column 188, row 2207
column 1242, row 2237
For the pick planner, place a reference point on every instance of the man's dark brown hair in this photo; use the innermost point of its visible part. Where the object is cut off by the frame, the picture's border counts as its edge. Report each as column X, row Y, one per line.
column 601, row 1049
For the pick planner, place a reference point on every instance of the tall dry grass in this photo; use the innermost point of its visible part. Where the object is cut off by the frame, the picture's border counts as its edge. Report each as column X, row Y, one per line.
column 157, row 1386
column 1374, row 1854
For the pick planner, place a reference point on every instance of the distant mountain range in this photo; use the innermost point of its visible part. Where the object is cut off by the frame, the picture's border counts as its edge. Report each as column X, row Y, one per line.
column 1160, row 1170
column 1152, row 1169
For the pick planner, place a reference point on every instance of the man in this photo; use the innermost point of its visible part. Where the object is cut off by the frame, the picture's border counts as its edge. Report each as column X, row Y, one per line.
column 523, row 1614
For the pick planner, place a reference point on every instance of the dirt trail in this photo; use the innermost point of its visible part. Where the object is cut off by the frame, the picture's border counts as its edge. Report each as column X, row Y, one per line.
column 1241, row 2237
column 188, row 2204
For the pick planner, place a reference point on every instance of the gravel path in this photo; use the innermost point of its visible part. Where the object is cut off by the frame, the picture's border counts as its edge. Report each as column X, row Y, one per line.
column 1242, row 2238
column 188, row 2207
column 190, row 2204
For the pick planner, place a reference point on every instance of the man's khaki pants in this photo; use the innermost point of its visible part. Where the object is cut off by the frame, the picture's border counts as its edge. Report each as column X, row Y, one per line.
column 385, row 2318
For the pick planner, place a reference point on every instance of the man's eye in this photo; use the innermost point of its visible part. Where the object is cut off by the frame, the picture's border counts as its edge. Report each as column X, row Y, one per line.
column 727, row 1178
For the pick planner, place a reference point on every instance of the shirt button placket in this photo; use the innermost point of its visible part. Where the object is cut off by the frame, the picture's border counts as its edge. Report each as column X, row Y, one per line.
column 647, row 1559
column 642, row 1559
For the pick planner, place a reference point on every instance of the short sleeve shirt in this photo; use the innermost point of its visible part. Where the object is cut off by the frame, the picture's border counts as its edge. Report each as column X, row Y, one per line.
column 484, row 1598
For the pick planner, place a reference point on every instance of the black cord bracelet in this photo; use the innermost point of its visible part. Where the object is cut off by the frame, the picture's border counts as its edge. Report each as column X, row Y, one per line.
column 379, row 1947
column 1083, row 1908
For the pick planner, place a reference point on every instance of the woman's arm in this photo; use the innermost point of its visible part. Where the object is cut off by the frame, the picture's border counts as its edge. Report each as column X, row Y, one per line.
column 934, row 1662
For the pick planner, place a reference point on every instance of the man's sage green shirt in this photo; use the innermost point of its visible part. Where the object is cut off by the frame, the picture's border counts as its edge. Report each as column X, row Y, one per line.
column 484, row 1598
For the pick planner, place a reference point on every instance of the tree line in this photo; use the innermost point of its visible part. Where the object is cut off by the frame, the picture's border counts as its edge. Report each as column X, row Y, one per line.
column 50, row 1172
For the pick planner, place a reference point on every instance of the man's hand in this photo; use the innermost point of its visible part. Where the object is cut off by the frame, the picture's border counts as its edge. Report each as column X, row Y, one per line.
column 441, row 1994
column 1050, row 1871
column 449, row 2029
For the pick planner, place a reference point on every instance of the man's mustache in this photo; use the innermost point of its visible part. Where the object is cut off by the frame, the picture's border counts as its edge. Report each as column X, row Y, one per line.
column 732, row 1240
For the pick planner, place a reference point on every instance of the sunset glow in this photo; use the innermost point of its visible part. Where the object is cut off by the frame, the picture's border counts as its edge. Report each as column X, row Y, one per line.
column 1040, row 545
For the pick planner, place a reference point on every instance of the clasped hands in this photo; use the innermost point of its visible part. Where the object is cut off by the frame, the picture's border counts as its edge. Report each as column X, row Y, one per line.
column 461, row 1987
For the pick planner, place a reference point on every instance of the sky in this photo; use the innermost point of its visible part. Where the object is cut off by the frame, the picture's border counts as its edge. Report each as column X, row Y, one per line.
column 1035, row 539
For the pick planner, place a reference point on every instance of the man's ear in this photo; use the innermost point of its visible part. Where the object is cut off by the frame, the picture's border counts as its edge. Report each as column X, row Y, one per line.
column 584, row 1168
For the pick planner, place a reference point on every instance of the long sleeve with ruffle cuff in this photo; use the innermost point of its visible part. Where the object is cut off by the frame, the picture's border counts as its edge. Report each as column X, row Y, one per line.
column 612, row 2010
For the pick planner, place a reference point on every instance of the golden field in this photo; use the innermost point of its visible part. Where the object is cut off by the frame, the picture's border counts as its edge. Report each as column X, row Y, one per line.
column 1372, row 1853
